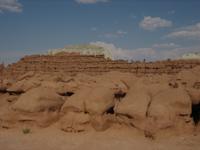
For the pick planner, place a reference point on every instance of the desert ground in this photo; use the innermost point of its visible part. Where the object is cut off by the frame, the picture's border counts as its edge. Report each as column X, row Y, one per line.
column 52, row 138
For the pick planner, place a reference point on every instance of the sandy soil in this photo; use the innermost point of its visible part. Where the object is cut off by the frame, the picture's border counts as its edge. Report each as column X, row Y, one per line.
column 54, row 139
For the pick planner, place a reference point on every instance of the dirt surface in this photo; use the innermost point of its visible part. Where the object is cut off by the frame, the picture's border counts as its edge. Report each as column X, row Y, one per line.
column 54, row 139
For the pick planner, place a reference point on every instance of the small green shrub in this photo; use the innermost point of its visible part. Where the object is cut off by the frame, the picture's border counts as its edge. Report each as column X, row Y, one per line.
column 26, row 131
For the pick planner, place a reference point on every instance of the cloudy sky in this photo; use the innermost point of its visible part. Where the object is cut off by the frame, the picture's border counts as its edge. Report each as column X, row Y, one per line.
column 132, row 29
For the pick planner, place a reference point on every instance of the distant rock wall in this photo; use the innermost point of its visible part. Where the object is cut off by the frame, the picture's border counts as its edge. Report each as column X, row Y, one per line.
column 1, row 69
column 76, row 63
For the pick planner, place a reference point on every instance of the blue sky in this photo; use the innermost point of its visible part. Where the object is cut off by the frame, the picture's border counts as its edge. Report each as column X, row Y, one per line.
column 135, row 29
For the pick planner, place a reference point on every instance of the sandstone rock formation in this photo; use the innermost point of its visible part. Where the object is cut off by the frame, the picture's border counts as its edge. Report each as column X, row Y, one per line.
column 99, row 100
column 74, row 122
column 76, row 102
column 76, row 63
column 134, row 106
column 169, row 106
column 149, row 97
column 39, row 99
column 1, row 69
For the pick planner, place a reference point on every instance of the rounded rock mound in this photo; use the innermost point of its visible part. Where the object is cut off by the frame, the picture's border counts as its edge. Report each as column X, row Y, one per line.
column 39, row 99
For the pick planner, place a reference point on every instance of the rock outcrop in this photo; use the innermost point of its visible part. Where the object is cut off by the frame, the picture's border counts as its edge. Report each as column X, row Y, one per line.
column 71, row 63
column 74, row 122
column 39, row 99
column 170, row 106
column 151, row 101
column 134, row 106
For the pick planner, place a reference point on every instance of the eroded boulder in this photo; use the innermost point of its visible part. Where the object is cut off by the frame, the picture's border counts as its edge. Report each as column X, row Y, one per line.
column 23, row 85
column 169, row 106
column 194, row 95
column 74, row 122
column 77, row 101
column 99, row 100
column 101, row 122
column 134, row 106
column 39, row 99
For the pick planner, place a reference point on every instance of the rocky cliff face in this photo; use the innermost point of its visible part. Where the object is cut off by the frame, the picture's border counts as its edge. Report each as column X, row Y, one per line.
column 155, row 98
column 1, row 69
column 76, row 63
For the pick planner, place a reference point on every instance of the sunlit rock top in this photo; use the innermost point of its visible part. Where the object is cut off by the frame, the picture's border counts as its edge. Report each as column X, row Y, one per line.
column 87, row 49
column 191, row 56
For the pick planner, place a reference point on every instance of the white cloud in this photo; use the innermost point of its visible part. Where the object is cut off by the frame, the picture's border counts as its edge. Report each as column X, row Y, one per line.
column 110, row 35
column 10, row 5
column 10, row 56
column 191, row 32
column 90, row 1
column 120, row 53
column 120, row 32
column 145, row 53
column 117, row 34
column 94, row 29
column 152, row 23
column 171, row 12
column 133, row 16
column 165, row 45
